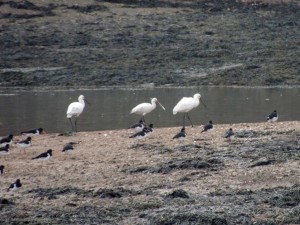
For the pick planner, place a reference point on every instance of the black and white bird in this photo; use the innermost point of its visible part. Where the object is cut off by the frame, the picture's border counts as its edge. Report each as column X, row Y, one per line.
column 138, row 127
column 181, row 135
column 34, row 132
column 273, row 117
column 68, row 147
column 147, row 130
column 6, row 140
column 44, row 156
column 4, row 150
column 15, row 186
column 24, row 143
column 141, row 135
column 209, row 127
column 229, row 135
column 2, row 169
column 150, row 128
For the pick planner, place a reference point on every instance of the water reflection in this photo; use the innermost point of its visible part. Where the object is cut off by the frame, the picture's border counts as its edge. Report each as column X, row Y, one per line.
column 23, row 110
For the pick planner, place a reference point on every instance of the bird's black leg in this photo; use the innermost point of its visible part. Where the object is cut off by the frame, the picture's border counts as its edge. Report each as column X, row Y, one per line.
column 71, row 123
column 183, row 120
column 76, row 124
column 144, row 120
column 189, row 119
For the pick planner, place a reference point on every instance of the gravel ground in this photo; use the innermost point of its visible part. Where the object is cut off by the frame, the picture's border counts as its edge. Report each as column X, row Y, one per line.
column 110, row 178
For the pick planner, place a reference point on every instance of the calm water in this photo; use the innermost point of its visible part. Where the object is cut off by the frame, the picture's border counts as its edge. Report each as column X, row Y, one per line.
column 23, row 110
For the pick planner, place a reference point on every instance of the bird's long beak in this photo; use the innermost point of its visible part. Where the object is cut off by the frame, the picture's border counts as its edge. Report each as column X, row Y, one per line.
column 161, row 106
column 203, row 103
column 86, row 101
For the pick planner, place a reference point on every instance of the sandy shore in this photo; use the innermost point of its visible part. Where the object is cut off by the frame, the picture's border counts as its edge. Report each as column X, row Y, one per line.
column 135, row 180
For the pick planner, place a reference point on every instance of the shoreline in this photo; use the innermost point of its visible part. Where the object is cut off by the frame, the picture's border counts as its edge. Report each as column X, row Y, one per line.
column 134, row 87
column 158, row 179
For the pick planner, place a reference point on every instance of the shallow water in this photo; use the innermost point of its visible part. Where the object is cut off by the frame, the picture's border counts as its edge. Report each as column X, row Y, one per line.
column 23, row 110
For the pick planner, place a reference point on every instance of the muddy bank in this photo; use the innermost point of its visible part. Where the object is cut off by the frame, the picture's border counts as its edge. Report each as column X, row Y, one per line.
column 105, row 43
column 111, row 179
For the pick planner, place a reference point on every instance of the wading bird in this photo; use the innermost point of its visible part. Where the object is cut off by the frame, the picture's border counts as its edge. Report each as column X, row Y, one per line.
column 273, row 117
column 229, row 135
column 75, row 109
column 34, row 132
column 24, row 143
column 181, row 135
column 186, row 104
column 209, row 127
column 5, row 149
column 2, row 169
column 145, row 108
column 15, row 186
column 44, row 156
column 138, row 127
column 6, row 140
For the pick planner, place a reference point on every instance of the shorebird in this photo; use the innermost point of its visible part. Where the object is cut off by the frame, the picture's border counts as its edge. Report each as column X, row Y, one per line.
column 15, row 186
column 273, row 117
column 34, row 132
column 5, row 149
column 1, row 169
column 24, row 143
column 145, row 108
column 181, row 135
column 209, row 127
column 75, row 109
column 138, row 127
column 140, row 135
column 229, row 135
column 150, row 128
column 144, row 133
column 186, row 104
column 6, row 140
column 68, row 147
column 44, row 156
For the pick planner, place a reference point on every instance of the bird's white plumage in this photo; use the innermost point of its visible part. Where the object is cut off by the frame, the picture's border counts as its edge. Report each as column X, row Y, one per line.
column 76, row 108
column 186, row 104
column 145, row 108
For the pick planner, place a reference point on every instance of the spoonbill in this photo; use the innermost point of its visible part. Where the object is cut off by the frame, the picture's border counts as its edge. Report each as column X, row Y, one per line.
column 208, row 127
column 145, row 108
column 186, row 104
column 75, row 109
column 273, row 117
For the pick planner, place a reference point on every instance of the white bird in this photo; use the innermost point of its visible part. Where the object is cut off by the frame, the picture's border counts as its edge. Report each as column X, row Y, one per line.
column 145, row 108
column 186, row 104
column 75, row 109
